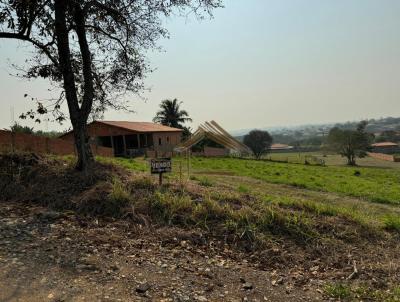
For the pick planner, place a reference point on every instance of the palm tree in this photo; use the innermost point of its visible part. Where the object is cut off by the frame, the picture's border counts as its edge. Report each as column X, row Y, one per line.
column 171, row 114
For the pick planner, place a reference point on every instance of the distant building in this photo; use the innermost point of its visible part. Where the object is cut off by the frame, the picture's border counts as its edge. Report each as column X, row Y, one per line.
column 281, row 147
column 132, row 138
column 386, row 148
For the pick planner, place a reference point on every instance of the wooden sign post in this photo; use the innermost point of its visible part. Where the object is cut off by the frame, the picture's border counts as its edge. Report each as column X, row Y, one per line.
column 160, row 166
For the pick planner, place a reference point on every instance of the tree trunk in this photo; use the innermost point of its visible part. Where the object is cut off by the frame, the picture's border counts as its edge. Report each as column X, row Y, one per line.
column 351, row 161
column 78, row 115
column 84, row 151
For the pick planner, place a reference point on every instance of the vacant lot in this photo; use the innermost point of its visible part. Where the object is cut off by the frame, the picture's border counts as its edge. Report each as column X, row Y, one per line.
column 373, row 184
column 236, row 230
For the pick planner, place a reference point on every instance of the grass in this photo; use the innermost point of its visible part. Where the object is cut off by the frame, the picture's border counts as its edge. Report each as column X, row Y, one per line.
column 368, row 214
column 127, row 163
column 338, row 291
column 225, row 214
column 205, row 182
column 118, row 193
column 329, row 159
column 345, row 292
column 265, row 178
column 392, row 222
column 243, row 189
column 374, row 184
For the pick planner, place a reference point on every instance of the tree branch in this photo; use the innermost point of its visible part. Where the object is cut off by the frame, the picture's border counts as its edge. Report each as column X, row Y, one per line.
column 22, row 37
column 86, row 61
column 113, row 12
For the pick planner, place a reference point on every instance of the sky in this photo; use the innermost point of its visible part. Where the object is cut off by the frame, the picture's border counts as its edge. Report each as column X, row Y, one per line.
column 259, row 63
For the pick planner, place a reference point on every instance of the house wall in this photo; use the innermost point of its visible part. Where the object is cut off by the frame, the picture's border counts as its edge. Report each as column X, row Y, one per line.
column 168, row 140
column 212, row 152
column 383, row 156
column 27, row 142
column 215, row 152
column 386, row 150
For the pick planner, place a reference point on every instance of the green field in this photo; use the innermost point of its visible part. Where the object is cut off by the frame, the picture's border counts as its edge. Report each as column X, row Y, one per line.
column 372, row 184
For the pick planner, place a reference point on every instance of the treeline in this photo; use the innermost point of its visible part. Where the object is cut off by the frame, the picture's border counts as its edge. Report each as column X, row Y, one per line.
column 17, row 128
column 375, row 125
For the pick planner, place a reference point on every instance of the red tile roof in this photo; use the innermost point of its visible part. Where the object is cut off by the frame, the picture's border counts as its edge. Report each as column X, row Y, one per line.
column 385, row 144
column 141, row 126
column 280, row 146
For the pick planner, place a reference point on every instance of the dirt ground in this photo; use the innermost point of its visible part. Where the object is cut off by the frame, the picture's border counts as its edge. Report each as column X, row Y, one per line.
column 49, row 256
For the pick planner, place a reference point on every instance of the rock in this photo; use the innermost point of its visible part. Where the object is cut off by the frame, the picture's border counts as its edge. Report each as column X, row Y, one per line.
column 247, row 286
column 276, row 282
column 143, row 288
column 50, row 215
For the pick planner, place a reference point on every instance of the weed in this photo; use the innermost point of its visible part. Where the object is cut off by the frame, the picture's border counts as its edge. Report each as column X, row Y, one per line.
column 205, row 182
column 367, row 293
column 243, row 189
column 118, row 193
column 145, row 183
column 338, row 291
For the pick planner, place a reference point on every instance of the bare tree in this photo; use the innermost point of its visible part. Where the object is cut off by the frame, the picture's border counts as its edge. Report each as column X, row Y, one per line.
column 94, row 50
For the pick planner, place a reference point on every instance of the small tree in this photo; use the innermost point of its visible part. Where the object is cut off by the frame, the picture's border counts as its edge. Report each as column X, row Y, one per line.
column 350, row 143
column 259, row 142
column 17, row 128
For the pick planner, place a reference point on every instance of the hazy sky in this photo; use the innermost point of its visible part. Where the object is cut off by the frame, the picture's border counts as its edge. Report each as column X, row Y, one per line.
column 262, row 63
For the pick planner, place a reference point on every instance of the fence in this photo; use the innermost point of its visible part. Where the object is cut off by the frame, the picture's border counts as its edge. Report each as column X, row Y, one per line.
column 383, row 156
column 10, row 141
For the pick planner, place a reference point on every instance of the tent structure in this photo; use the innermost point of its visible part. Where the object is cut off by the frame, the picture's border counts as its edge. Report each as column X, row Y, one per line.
column 216, row 133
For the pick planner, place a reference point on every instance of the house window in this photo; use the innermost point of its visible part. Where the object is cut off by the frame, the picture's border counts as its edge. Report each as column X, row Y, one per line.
column 167, row 139
column 159, row 141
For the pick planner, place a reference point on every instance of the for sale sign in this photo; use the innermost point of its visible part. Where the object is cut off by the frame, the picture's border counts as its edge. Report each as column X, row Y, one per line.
column 161, row 165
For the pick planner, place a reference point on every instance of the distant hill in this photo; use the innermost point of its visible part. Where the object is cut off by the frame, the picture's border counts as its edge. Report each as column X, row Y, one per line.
column 374, row 125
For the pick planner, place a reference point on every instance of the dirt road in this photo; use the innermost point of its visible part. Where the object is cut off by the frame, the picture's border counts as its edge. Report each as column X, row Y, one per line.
column 51, row 256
